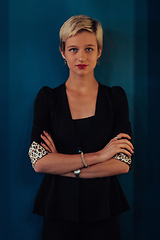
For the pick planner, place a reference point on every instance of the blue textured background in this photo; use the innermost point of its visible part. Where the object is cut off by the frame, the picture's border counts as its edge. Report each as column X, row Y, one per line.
column 30, row 59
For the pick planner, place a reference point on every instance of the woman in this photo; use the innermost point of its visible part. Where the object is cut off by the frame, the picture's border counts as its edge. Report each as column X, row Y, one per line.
column 81, row 139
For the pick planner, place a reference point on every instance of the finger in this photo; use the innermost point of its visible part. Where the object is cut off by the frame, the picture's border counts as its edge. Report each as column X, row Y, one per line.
column 122, row 144
column 122, row 141
column 123, row 135
column 125, row 152
column 117, row 137
column 45, row 146
column 48, row 136
column 125, row 141
column 48, row 143
column 127, row 147
column 130, row 150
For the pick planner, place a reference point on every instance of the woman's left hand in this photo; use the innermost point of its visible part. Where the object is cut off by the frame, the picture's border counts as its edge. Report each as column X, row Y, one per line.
column 49, row 144
column 119, row 144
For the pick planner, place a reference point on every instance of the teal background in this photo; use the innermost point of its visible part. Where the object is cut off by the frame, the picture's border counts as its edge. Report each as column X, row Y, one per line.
column 30, row 59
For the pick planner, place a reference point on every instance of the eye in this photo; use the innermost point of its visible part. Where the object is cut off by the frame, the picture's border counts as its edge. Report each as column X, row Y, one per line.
column 73, row 49
column 89, row 49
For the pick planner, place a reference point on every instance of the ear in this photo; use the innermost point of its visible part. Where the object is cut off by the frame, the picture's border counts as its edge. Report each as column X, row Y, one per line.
column 99, row 52
column 62, row 53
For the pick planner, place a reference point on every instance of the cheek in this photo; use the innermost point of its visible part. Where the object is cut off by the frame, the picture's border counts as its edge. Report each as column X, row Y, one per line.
column 94, row 59
column 70, row 62
column 94, row 63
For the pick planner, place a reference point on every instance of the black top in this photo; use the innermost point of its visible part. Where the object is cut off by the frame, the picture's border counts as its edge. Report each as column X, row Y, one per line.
column 82, row 127
column 80, row 199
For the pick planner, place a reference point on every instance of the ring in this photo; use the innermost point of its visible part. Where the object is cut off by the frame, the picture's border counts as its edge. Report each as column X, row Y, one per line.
column 117, row 138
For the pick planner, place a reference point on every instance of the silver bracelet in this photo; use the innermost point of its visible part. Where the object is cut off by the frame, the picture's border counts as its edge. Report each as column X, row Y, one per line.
column 82, row 156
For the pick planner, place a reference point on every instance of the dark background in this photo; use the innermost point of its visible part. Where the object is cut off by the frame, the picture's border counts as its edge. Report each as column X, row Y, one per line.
column 30, row 59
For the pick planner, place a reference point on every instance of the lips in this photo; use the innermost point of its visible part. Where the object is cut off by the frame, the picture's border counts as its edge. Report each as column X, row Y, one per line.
column 81, row 66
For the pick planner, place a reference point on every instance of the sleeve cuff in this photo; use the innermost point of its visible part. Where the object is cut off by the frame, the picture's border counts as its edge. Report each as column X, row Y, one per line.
column 124, row 158
column 36, row 151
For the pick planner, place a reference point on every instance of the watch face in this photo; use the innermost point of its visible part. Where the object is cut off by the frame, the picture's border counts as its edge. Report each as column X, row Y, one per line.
column 77, row 171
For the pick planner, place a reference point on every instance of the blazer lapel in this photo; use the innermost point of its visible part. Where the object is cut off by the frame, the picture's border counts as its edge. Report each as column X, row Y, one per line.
column 64, row 124
column 100, row 131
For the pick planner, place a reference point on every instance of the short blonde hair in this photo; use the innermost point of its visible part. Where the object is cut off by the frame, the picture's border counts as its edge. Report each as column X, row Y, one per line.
column 79, row 23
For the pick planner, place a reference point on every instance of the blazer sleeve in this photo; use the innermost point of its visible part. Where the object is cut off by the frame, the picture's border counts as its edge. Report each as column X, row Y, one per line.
column 41, row 122
column 121, row 120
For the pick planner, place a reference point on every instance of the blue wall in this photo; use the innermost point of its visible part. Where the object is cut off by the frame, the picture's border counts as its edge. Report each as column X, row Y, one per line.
column 146, row 121
column 30, row 59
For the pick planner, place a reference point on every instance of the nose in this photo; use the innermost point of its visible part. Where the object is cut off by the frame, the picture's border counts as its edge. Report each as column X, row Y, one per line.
column 81, row 56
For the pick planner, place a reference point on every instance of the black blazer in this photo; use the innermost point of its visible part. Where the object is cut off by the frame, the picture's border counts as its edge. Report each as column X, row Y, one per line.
column 80, row 199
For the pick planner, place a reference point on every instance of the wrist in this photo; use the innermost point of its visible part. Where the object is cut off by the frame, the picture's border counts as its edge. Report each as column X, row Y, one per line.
column 92, row 158
column 96, row 157
column 100, row 156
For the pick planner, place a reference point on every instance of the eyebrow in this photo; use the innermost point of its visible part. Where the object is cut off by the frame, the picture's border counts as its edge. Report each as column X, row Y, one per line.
column 88, row 45
column 71, row 46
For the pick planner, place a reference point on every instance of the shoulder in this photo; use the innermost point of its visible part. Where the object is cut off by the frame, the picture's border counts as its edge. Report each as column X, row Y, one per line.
column 44, row 91
column 114, row 89
column 48, row 92
column 46, row 97
column 115, row 92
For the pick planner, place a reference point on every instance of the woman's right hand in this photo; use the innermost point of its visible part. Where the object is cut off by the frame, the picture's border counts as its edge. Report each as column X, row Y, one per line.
column 48, row 142
column 119, row 144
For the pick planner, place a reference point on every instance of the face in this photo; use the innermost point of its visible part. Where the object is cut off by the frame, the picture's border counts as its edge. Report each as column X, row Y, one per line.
column 81, row 53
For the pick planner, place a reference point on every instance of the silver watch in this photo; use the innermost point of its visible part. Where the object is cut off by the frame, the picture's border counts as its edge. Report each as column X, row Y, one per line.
column 77, row 172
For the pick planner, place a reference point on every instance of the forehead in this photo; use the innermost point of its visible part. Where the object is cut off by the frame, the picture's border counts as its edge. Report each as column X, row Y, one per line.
column 82, row 39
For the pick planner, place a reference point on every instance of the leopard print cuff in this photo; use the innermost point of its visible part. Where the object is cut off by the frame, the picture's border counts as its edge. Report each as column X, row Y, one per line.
column 124, row 158
column 36, row 151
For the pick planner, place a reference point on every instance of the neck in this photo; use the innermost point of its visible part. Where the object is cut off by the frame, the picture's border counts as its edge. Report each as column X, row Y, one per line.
column 81, row 82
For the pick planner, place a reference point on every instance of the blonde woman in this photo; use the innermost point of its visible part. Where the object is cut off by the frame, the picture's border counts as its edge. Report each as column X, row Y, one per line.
column 81, row 139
